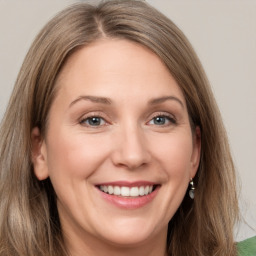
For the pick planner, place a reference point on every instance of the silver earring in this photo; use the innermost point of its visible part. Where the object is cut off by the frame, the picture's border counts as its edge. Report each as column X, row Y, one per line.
column 192, row 189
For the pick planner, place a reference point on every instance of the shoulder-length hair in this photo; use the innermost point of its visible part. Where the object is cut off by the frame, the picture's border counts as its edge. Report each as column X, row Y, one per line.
column 29, row 222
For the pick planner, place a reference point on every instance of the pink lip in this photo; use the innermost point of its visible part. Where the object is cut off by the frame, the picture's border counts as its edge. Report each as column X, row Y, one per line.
column 129, row 203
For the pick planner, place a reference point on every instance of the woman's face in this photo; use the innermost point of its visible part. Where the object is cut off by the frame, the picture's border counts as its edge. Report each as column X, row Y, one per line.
column 119, row 124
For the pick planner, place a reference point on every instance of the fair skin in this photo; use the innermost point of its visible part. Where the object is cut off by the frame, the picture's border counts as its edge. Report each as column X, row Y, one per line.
column 119, row 120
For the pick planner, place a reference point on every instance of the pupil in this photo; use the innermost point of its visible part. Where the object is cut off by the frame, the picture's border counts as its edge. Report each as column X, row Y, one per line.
column 159, row 120
column 94, row 121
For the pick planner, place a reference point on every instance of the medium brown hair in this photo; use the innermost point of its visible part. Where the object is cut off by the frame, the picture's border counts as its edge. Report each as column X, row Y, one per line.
column 29, row 222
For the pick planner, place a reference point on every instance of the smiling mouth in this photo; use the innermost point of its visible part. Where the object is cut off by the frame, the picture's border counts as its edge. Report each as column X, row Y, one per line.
column 124, row 191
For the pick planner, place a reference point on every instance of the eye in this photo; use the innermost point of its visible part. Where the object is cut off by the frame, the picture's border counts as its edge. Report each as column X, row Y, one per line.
column 93, row 121
column 162, row 120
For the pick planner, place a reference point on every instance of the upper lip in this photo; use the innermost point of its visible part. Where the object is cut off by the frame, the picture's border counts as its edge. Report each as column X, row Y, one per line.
column 128, row 183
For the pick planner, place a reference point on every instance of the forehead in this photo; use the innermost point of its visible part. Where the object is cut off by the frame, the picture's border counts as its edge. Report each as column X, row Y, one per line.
column 113, row 66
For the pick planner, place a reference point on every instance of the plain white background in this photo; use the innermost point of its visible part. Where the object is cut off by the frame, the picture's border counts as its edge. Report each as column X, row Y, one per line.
column 223, row 33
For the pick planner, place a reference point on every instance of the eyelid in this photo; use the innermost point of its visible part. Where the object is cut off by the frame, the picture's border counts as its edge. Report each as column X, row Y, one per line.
column 169, row 116
column 86, row 116
column 171, row 119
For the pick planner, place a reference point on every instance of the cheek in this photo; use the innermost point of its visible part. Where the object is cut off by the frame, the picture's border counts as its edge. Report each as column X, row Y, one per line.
column 174, row 152
column 75, row 156
column 173, row 158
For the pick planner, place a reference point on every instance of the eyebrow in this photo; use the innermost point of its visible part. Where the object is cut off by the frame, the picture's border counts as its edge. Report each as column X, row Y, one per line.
column 165, row 98
column 107, row 101
column 94, row 99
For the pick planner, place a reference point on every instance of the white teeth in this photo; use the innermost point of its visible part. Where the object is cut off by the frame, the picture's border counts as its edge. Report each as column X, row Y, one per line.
column 134, row 191
column 141, row 191
column 126, row 191
column 117, row 191
column 110, row 190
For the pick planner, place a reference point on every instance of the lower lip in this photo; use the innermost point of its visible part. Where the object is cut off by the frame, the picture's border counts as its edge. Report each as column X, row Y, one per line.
column 130, row 202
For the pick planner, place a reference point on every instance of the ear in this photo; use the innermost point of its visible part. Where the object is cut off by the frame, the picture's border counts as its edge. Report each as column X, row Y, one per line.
column 196, row 155
column 39, row 155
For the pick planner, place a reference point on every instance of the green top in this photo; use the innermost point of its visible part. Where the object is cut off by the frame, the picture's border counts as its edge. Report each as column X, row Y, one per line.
column 247, row 247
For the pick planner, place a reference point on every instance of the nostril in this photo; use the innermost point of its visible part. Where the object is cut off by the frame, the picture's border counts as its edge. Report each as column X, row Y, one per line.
column 131, row 160
column 130, row 149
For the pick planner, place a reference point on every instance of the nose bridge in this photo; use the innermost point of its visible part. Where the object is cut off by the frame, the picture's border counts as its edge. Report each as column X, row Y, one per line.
column 131, row 149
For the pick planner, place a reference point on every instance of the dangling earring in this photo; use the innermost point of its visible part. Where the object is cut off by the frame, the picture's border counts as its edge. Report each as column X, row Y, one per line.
column 192, row 189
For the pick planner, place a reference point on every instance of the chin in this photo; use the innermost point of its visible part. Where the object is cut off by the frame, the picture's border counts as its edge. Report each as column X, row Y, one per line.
column 132, row 233
column 128, row 240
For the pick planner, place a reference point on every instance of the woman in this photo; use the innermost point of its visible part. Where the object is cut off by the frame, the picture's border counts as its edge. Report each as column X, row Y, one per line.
column 112, row 143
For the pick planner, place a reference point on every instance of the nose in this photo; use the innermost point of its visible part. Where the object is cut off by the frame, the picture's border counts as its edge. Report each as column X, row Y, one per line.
column 131, row 150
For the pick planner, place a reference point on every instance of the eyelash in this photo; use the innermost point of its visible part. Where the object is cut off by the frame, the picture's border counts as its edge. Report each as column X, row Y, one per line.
column 90, row 118
column 170, row 119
